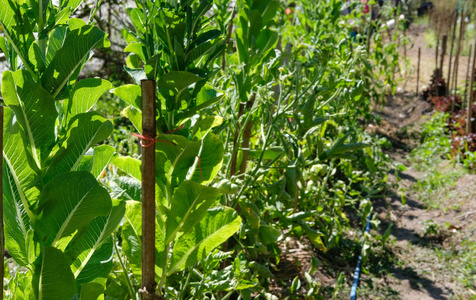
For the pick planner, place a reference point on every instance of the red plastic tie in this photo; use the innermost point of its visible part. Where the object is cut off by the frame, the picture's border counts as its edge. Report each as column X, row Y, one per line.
column 151, row 140
column 173, row 130
column 199, row 168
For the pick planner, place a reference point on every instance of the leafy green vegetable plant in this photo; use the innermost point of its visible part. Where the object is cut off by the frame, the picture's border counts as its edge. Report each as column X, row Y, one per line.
column 172, row 44
column 58, row 218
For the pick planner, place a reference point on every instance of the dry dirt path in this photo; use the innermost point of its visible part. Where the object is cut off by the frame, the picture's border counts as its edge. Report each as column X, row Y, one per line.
column 422, row 234
column 419, row 272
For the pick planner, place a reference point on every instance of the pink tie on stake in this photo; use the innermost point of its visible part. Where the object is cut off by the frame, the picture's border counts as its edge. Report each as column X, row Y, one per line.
column 151, row 140
column 366, row 9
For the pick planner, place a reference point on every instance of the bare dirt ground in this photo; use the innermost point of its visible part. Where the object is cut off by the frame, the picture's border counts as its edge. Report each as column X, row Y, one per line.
column 420, row 270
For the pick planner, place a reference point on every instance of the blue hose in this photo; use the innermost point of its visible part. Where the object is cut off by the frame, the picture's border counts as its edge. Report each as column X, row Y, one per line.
column 353, row 292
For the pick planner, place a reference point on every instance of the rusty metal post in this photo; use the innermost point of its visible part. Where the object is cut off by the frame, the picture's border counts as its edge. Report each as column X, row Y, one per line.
column 149, row 131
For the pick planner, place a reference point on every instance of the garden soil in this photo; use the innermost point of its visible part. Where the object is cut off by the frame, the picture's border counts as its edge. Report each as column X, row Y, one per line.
column 418, row 272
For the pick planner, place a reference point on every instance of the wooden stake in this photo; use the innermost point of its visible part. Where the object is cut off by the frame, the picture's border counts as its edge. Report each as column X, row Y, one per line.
column 241, row 111
column 418, row 71
column 436, row 53
column 228, row 38
column 455, row 24
column 469, row 122
column 148, row 190
column 443, row 52
column 458, row 51
column 245, row 145
column 467, row 76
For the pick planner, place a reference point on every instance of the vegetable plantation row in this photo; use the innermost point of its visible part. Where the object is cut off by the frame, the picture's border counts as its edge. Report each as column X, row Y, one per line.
column 257, row 140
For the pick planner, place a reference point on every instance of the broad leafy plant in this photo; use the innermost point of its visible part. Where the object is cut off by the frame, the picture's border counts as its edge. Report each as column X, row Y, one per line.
column 58, row 218
column 173, row 44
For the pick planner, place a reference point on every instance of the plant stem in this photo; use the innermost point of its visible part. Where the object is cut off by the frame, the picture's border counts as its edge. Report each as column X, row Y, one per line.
column 164, row 270
column 124, row 271
column 42, row 40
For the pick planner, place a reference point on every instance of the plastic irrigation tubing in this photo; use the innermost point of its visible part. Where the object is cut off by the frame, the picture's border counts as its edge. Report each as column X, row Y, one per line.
column 353, row 292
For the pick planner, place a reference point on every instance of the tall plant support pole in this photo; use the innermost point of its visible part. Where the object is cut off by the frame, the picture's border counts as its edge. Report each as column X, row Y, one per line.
column 245, row 145
column 2, row 229
column 467, row 76
column 458, row 51
column 469, row 123
column 149, row 132
column 455, row 24
column 443, row 53
column 436, row 53
column 228, row 38
column 418, row 71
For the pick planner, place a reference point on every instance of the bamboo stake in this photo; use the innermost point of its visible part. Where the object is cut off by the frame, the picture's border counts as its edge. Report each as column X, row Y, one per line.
column 148, row 190
column 418, row 71
column 467, row 76
column 443, row 53
column 469, row 122
column 455, row 24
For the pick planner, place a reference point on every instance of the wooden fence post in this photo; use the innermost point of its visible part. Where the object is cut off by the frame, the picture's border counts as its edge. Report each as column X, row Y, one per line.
column 436, row 53
column 458, row 51
column 467, row 76
column 469, row 122
column 455, row 24
column 418, row 71
column 443, row 52
column 149, row 131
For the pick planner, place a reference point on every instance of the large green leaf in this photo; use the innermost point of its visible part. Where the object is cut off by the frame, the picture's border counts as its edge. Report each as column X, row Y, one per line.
column 68, row 204
column 134, row 115
column 131, row 94
column 211, row 157
column 101, row 157
column 76, row 47
column 92, row 252
column 199, row 161
column 34, row 109
column 189, row 204
column 84, row 132
column 132, row 236
column 84, row 95
column 55, row 42
column 91, row 291
column 216, row 227
column 19, row 190
column 130, row 165
column 17, row 29
column 172, row 85
column 95, row 264
column 53, row 268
